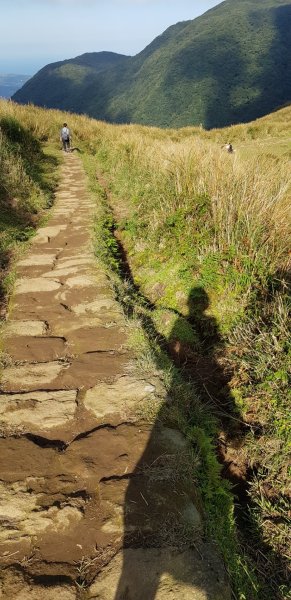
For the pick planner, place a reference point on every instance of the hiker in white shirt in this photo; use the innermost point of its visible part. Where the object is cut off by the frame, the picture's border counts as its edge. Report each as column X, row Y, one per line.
column 65, row 138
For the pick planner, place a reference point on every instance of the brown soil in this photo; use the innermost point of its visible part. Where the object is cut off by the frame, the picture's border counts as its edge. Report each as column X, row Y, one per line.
column 93, row 502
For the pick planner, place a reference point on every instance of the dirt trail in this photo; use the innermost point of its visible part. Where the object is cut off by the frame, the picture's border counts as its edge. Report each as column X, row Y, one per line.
column 91, row 502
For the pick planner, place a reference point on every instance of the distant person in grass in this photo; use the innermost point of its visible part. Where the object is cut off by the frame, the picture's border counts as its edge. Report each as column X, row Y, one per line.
column 228, row 147
column 65, row 138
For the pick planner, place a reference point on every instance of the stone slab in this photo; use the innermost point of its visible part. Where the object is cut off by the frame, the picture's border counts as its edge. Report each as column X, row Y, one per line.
column 38, row 410
column 36, row 284
column 27, row 377
column 80, row 281
column 37, row 260
column 46, row 233
column 35, row 349
column 85, row 370
column 96, row 339
column 120, row 397
column 100, row 305
column 25, row 328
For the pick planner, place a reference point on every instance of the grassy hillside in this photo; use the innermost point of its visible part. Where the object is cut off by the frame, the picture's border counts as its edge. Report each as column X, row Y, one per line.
column 230, row 65
column 199, row 242
column 27, row 179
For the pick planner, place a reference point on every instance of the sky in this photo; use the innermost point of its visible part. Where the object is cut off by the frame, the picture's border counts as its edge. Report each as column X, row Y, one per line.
column 34, row 33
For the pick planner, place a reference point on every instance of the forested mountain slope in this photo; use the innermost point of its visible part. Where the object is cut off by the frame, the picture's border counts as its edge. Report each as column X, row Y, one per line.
column 230, row 65
column 59, row 85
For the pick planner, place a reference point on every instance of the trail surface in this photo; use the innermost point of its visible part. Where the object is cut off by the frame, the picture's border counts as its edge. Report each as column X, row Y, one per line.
column 92, row 504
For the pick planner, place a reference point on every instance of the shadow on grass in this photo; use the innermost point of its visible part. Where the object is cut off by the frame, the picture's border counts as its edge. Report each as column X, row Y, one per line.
column 202, row 369
column 159, row 504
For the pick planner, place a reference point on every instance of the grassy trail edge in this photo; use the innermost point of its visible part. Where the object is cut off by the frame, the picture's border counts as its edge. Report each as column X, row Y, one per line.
column 202, row 430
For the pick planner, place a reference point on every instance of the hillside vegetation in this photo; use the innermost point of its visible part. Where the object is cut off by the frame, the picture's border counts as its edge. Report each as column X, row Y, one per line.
column 198, row 240
column 230, row 65
column 27, row 180
column 62, row 84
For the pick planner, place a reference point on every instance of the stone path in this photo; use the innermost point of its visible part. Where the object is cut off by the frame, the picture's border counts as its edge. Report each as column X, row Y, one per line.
column 92, row 502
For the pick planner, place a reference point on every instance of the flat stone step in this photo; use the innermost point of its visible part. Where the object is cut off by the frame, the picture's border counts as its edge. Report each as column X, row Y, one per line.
column 38, row 349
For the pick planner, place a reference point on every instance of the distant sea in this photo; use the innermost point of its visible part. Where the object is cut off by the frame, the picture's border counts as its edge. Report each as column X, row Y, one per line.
column 9, row 84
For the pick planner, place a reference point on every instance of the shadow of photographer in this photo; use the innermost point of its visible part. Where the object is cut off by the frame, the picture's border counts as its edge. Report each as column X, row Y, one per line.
column 165, row 554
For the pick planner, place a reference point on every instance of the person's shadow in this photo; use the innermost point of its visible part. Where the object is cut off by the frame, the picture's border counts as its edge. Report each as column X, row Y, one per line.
column 163, row 531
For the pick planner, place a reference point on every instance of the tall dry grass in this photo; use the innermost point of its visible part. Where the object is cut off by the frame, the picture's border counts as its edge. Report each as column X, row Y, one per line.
column 248, row 200
column 162, row 172
column 23, row 194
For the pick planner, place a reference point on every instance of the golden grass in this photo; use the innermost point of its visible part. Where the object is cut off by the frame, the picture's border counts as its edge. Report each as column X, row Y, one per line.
column 247, row 193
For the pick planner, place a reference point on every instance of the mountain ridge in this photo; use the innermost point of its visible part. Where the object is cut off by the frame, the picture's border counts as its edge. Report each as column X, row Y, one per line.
column 230, row 65
column 73, row 73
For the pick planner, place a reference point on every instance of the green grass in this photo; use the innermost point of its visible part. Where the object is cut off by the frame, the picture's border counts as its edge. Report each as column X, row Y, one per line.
column 28, row 177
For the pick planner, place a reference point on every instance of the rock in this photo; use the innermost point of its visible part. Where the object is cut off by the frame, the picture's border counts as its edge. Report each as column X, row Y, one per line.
column 25, row 327
column 119, row 397
column 38, row 410
column 31, row 376
column 36, row 284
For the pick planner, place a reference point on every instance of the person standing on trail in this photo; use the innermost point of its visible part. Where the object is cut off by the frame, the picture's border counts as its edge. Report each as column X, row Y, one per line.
column 65, row 138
